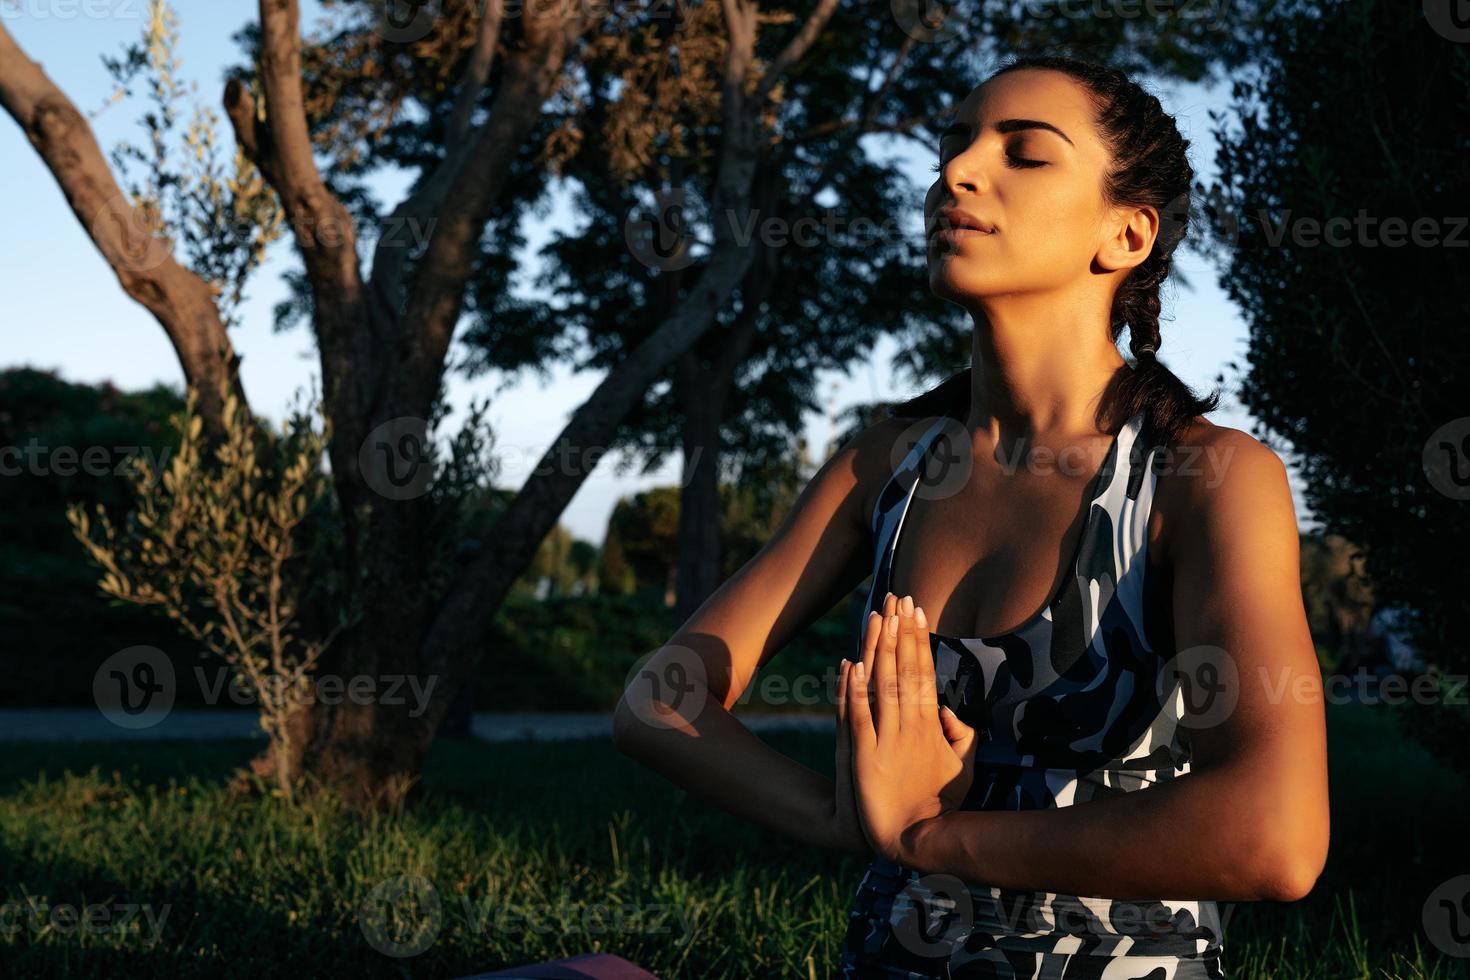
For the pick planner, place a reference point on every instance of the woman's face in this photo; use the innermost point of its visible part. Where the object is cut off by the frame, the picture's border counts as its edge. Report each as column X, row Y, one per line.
column 1024, row 158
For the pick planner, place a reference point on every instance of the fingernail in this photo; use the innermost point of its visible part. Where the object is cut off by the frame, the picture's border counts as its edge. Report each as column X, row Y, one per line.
column 908, row 605
column 919, row 617
column 893, row 626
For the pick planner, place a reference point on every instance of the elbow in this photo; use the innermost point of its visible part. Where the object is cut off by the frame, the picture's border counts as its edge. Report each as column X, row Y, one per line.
column 1292, row 872
column 625, row 727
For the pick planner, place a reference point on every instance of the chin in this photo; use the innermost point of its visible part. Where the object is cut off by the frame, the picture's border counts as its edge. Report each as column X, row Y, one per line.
column 951, row 281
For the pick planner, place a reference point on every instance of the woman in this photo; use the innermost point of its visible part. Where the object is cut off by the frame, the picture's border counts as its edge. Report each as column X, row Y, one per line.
column 1175, row 645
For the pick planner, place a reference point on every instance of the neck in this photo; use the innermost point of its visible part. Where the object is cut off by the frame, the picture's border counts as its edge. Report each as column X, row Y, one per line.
column 1038, row 369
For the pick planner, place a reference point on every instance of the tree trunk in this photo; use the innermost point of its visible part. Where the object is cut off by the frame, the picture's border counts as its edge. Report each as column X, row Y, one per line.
column 700, row 513
column 365, row 736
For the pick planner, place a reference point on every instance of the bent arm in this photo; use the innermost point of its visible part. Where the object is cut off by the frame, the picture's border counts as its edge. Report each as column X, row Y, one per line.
column 718, row 758
column 1249, row 821
column 675, row 715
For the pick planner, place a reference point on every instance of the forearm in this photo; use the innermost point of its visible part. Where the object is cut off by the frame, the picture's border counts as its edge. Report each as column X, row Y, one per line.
column 1194, row 837
column 718, row 758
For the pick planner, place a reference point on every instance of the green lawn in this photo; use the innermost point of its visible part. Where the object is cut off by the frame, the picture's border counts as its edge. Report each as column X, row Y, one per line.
column 537, row 851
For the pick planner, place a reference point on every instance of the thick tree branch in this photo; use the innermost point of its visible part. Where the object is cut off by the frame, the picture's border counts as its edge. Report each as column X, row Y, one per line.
column 182, row 302
column 478, row 591
column 477, row 70
column 795, row 49
column 323, row 229
column 472, row 186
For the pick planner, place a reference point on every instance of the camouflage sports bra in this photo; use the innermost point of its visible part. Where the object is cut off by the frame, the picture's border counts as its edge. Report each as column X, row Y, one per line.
column 1068, row 708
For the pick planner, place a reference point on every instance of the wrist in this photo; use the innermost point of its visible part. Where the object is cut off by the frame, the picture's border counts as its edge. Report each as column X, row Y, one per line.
column 915, row 844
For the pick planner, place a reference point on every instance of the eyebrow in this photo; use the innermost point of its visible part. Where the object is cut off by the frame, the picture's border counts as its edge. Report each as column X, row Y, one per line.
column 1007, row 126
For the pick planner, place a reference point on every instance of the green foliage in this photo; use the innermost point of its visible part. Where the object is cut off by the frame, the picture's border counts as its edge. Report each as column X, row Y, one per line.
column 1356, row 351
column 567, row 653
column 573, row 653
column 58, row 442
column 214, row 543
column 223, row 213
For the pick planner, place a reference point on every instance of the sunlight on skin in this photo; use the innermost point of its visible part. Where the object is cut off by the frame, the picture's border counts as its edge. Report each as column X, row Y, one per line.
column 910, row 759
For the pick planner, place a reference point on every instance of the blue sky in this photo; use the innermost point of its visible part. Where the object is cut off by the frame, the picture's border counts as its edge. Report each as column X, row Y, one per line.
column 61, row 308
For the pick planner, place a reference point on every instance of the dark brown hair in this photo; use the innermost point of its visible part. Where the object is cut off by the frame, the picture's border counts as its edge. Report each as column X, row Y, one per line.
column 1149, row 166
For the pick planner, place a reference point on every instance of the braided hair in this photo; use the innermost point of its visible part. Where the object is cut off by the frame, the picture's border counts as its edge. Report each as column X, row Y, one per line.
column 1149, row 166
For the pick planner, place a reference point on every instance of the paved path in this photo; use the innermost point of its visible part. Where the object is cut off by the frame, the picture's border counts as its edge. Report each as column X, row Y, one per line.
column 89, row 725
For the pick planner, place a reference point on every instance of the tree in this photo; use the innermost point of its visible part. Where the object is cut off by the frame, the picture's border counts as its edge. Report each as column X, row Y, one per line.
column 216, row 544
column 836, row 231
column 1339, row 245
column 384, row 331
column 67, row 442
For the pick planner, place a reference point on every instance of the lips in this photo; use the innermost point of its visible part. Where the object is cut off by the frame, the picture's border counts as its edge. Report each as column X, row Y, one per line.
column 954, row 219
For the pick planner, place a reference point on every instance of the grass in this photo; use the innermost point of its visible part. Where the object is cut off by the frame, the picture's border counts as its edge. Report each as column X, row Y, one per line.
column 537, row 851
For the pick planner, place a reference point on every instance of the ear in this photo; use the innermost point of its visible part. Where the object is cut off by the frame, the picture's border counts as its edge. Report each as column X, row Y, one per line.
column 1131, row 234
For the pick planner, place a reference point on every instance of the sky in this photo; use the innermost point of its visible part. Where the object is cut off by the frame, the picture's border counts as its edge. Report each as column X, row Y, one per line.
column 61, row 308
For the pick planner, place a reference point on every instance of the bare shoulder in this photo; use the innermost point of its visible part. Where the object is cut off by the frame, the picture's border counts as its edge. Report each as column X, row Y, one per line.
column 878, row 449
column 1215, row 479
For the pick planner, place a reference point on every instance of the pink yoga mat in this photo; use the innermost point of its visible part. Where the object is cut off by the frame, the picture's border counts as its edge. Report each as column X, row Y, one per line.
column 588, row 966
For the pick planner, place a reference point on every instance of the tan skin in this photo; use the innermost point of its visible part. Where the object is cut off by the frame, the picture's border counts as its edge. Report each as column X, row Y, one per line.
column 1222, row 532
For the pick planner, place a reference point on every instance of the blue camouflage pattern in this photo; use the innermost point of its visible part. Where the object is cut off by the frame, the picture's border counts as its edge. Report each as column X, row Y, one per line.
column 1070, row 707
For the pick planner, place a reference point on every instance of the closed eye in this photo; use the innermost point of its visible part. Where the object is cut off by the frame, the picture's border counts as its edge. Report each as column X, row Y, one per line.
column 1012, row 161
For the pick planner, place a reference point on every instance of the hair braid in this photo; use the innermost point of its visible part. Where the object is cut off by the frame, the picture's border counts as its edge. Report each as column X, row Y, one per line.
column 1149, row 166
